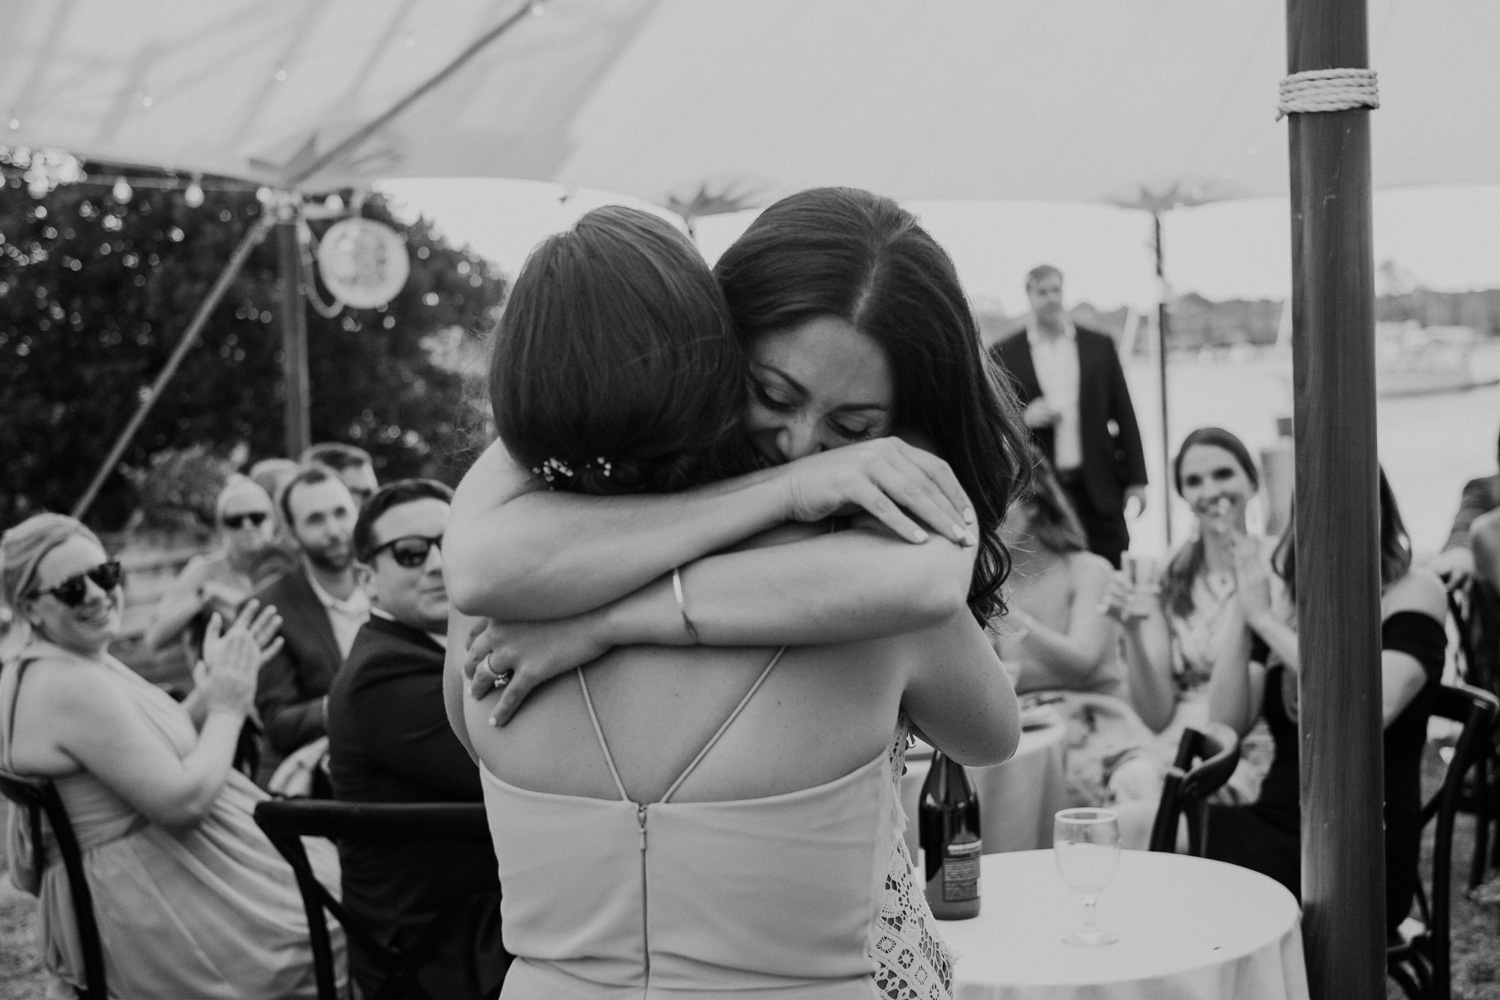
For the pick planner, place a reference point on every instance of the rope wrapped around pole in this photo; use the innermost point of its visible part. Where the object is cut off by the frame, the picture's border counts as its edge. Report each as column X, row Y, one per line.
column 1323, row 90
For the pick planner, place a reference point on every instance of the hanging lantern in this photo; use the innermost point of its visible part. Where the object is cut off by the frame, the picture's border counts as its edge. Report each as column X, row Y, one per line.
column 363, row 262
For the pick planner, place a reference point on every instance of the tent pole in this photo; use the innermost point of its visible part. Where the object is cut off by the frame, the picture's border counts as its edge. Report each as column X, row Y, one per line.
column 1337, row 516
column 248, row 242
column 1161, row 374
column 293, row 308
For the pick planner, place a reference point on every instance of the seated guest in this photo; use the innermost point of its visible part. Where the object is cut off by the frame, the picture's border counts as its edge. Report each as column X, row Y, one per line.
column 352, row 465
column 190, row 897
column 322, row 608
column 1455, row 564
column 223, row 579
column 389, row 741
column 1056, row 638
column 1257, row 677
column 1171, row 639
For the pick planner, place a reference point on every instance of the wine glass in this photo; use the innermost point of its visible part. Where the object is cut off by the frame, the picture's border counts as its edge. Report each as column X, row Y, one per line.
column 1086, row 844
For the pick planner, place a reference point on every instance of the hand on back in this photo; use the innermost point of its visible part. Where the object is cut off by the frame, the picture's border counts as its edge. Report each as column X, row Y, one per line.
column 895, row 482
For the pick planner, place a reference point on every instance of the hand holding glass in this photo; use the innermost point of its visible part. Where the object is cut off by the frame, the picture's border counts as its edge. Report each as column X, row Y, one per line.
column 1086, row 844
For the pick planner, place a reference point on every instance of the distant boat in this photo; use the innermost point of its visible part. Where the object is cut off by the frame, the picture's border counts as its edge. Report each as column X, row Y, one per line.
column 1413, row 360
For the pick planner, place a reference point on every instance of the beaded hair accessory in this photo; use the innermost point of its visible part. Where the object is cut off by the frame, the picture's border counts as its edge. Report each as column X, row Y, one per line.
column 554, row 470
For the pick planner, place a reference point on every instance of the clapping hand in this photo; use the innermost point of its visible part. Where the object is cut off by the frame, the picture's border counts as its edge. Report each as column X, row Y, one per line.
column 516, row 657
column 232, row 658
column 886, row 477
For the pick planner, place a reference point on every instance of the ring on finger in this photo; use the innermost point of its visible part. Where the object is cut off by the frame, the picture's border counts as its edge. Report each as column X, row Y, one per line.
column 503, row 678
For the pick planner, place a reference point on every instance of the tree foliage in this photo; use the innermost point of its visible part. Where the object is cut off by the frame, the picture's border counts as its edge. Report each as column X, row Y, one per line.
column 95, row 293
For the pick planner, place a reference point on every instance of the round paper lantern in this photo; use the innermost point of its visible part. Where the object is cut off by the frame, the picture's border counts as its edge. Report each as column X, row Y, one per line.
column 363, row 262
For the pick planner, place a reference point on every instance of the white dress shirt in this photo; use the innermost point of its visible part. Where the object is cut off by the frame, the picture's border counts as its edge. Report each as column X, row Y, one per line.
column 1056, row 362
column 347, row 616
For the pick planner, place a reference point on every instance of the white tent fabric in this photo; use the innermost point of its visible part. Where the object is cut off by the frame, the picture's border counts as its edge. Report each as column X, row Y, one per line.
column 1059, row 100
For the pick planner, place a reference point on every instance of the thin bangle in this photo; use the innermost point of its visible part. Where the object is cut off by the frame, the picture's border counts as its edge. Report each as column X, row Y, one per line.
column 687, row 623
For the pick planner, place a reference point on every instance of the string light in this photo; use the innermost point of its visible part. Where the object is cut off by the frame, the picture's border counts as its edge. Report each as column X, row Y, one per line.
column 121, row 192
column 192, row 196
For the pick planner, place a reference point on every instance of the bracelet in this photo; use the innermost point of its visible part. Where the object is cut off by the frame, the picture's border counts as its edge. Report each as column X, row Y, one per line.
column 687, row 623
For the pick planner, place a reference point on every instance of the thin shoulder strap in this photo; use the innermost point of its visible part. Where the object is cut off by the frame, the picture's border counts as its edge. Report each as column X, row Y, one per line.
column 775, row 658
column 599, row 732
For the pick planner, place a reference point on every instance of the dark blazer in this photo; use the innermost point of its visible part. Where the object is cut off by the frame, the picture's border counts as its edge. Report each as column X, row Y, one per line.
column 1112, row 458
column 289, row 695
column 389, row 741
column 1480, row 496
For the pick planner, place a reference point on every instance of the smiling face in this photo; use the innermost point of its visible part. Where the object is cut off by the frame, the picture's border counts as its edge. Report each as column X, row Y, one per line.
column 818, row 385
column 246, row 518
column 413, row 595
column 1216, row 486
column 93, row 624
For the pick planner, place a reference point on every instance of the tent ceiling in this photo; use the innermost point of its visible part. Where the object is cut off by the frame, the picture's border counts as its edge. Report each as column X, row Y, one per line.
column 1013, row 99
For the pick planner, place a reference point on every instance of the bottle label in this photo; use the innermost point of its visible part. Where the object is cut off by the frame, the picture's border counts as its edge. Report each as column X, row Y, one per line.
column 961, row 871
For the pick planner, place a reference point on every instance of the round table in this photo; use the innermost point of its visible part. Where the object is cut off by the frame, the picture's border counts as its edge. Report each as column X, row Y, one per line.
column 1188, row 927
column 1017, row 799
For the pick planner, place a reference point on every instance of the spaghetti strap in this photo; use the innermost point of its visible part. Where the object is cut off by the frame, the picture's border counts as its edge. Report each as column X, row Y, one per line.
column 776, row 658
column 599, row 732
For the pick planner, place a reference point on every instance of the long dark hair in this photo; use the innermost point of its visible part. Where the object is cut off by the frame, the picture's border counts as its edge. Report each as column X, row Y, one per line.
column 1187, row 564
column 862, row 258
column 615, row 368
column 1055, row 524
column 1395, row 544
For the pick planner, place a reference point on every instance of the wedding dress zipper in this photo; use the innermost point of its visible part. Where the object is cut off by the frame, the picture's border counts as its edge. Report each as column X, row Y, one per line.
column 640, row 817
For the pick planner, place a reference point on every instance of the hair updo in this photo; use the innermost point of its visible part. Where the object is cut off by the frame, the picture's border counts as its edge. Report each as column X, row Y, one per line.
column 615, row 369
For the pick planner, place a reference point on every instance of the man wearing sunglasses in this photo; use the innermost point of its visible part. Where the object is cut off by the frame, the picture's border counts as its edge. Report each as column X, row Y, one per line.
column 389, row 741
column 322, row 608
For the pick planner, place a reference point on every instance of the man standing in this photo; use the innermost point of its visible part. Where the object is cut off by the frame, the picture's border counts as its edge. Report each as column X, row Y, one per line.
column 352, row 465
column 322, row 609
column 389, row 741
column 1079, row 413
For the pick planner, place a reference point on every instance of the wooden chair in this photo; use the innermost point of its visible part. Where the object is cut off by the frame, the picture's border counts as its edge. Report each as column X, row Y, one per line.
column 38, row 798
column 286, row 821
column 1188, row 785
column 1419, row 959
column 1471, row 607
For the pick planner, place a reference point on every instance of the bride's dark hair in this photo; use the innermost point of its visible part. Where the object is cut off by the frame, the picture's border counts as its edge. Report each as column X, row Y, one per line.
column 866, row 260
column 614, row 368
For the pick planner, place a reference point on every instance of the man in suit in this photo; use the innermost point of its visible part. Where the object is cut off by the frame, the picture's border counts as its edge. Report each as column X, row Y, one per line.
column 322, row 608
column 1077, row 407
column 389, row 741
column 352, row 465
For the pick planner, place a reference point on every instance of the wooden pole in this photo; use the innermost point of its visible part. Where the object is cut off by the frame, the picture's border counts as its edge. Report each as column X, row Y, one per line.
column 1337, row 516
column 1161, row 373
column 248, row 242
column 293, row 307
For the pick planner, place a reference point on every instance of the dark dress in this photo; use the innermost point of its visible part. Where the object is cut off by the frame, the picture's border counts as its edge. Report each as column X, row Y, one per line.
column 1265, row 836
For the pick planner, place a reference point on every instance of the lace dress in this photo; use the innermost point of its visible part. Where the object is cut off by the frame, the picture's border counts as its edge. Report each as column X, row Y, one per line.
column 913, row 962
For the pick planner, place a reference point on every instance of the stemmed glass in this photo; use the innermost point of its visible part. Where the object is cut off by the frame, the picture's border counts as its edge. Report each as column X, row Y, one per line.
column 1086, row 843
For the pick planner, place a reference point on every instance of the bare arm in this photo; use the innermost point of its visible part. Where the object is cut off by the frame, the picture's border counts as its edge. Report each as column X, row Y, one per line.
column 1236, row 687
column 753, row 597
column 959, row 694
column 1070, row 659
column 177, row 607
column 519, row 554
column 127, row 754
column 1146, row 643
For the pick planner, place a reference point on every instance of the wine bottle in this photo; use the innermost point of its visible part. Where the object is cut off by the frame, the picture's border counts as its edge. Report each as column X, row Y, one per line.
column 948, row 830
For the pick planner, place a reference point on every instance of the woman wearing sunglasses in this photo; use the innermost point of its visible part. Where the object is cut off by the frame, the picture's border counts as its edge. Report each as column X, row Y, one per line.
column 219, row 581
column 190, row 897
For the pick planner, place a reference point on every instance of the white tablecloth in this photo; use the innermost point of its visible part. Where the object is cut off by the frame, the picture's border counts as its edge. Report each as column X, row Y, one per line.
column 1188, row 928
column 1017, row 799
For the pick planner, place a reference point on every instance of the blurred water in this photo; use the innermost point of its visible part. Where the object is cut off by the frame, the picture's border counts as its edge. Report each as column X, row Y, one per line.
column 1430, row 445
